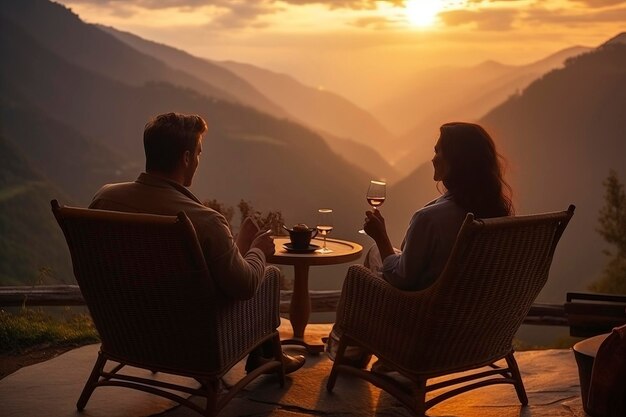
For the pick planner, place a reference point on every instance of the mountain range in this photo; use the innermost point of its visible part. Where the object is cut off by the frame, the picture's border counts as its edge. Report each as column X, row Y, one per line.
column 561, row 136
column 76, row 96
column 31, row 246
column 349, row 130
column 445, row 94
column 59, row 113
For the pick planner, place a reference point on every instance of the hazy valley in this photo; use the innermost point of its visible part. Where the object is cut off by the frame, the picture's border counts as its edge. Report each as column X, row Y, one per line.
column 76, row 96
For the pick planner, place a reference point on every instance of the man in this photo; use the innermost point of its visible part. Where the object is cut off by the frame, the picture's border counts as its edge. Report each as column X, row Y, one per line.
column 173, row 144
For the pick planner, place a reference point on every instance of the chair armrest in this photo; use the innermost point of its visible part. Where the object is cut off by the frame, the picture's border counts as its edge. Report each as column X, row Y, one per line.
column 242, row 324
column 377, row 314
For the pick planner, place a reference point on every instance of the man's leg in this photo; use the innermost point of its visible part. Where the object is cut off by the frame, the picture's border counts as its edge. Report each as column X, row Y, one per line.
column 265, row 353
column 354, row 355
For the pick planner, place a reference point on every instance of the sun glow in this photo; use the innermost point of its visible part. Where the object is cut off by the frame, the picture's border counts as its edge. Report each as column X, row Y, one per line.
column 423, row 12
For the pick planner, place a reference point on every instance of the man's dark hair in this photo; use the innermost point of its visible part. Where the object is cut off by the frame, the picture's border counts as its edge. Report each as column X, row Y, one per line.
column 168, row 136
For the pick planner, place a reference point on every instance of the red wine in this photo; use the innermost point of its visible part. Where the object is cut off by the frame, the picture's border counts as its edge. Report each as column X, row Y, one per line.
column 375, row 201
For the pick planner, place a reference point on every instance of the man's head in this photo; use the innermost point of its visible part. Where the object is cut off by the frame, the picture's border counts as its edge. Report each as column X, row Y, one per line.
column 173, row 142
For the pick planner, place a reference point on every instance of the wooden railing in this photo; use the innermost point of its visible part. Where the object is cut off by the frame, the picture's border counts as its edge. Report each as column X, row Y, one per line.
column 41, row 295
column 321, row 301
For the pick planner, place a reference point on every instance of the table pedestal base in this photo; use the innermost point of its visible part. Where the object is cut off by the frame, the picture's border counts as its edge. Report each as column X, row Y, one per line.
column 311, row 345
column 300, row 307
column 300, row 310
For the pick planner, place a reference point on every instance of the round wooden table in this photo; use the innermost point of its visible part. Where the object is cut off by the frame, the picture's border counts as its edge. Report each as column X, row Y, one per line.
column 300, row 307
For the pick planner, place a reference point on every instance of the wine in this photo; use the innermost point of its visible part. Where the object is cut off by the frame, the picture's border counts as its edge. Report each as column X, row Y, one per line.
column 324, row 230
column 375, row 201
column 375, row 195
column 324, row 227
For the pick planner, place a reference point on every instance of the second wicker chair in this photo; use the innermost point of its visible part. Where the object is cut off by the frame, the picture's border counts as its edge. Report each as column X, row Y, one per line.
column 465, row 321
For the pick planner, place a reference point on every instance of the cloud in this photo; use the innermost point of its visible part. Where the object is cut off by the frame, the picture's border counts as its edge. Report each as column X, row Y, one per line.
column 539, row 15
column 243, row 14
column 234, row 4
column 148, row 4
column 219, row 13
column 346, row 4
column 494, row 1
column 373, row 22
column 486, row 19
column 599, row 3
column 487, row 15
column 230, row 13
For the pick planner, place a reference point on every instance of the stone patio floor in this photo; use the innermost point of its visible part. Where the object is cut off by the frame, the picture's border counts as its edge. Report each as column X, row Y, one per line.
column 51, row 389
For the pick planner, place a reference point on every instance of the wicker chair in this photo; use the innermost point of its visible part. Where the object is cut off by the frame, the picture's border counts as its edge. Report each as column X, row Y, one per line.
column 465, row 321
column 151, row 298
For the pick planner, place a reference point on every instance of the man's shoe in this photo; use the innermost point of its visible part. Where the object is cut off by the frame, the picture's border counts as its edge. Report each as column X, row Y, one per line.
column 290, row 363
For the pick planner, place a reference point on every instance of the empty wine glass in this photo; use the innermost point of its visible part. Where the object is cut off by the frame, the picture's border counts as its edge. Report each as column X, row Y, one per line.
column 375, row 196
column 324, row 226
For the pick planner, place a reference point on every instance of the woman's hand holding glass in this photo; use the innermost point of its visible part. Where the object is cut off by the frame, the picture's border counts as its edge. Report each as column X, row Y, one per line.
column 374, row 225
column 375, row 196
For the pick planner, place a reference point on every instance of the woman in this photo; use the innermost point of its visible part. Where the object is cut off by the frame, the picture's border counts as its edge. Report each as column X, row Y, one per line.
column 471, row 170
column 467, row 163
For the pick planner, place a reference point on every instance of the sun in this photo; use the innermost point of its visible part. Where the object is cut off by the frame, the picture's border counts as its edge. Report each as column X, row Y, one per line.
column 422, row 12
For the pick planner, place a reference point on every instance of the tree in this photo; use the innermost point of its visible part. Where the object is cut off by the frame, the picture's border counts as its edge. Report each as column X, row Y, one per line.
column 221, row 208
column 270, row 220
column 612, row 228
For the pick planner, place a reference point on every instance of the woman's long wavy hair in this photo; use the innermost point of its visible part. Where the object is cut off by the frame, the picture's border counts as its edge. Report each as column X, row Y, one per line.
column 475, row 175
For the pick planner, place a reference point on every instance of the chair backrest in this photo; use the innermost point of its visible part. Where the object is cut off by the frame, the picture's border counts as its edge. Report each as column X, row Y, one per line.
column 146, row 284
column 495, row 272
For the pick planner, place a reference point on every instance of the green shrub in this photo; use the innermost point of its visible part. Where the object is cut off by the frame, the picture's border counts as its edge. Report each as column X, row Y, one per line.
column 30, row 328
column 612, row 227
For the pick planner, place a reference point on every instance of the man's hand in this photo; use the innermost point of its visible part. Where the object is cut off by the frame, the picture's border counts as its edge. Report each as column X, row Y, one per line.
column 247, row 233
column 265, row 242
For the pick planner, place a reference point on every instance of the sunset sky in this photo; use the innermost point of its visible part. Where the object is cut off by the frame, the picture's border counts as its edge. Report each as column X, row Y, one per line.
column 359, row 47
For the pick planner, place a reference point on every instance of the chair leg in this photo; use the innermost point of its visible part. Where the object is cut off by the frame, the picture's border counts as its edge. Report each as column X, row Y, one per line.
column 278, row 355
column 420, row 398
column 332, row 378
column 212, row 391
column 92, row 382
column 519, row 385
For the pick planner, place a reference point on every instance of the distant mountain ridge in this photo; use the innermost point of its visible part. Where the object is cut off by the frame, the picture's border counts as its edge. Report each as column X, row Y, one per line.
column 200, row 68
column 561, row 135
column 274, row 163
column 316, row 107
column 349, row 131
column 71, row 127
column 452, row 94
column 63, row 33
column 621, row 38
